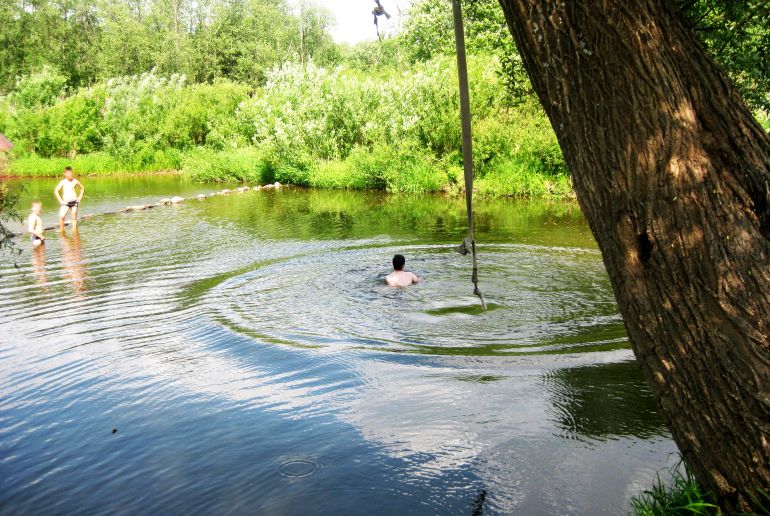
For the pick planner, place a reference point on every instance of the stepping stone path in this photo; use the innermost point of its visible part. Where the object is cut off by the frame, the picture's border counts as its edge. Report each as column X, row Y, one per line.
column 172, row 201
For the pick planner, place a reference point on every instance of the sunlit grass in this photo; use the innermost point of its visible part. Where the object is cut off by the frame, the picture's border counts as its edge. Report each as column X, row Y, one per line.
column 681, row 495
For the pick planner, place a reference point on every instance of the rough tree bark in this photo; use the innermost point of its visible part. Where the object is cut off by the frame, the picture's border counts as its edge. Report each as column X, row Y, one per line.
column 671, row 171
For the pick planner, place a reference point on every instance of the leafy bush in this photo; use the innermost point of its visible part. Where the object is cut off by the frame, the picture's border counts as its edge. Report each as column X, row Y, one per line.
column 391, row 129
column 8, row 212
column 402, row 170
column 247, row 165
column 519, row 177
column 38, row 89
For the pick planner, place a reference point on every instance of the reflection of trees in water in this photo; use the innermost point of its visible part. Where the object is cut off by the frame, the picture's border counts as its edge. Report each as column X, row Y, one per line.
column 604, row 401
column 73, row 269
column 299, row 213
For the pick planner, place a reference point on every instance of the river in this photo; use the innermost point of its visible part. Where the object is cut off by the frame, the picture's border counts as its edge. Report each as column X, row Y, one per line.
column 241, row 355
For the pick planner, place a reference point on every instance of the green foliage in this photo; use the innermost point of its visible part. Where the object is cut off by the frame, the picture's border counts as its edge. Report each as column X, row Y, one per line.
column 429, row 32
column 763, row 117
column 328, row 112
column 397, row 130
column 140, row 121
column 737, row 34
column 98, row 163
column 395, row 169
column 680, row 496
column 519, row 178
column 8, row 202
column 248, row 165
column 38, row 89
column 89, row 41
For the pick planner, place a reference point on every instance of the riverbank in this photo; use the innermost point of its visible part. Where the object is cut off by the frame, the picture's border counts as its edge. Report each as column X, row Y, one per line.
column 380, row 169
column 96, row 164
column 388, row 129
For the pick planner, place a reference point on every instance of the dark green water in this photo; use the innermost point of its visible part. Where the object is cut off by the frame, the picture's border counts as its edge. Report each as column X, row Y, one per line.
column 253, row 362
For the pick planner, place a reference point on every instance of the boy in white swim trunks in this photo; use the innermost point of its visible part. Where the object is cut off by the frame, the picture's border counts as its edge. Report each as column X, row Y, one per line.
column 35, row 225
column 69, row 199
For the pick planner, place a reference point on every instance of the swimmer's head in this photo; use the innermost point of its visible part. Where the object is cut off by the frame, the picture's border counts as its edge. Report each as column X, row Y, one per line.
column 398, row 262
column 68, row 173
column 37, row 207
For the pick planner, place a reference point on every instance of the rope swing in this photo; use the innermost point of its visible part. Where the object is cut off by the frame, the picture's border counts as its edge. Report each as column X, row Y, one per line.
column 469, row 244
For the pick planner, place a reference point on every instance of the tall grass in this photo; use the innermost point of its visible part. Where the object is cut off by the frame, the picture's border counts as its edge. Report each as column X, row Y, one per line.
column 681, row 495
column 97, row 163
column 248, row 165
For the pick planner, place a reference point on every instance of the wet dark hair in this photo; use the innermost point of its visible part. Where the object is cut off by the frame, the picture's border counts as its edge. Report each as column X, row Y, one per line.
column 398, row 262
column 68, row 169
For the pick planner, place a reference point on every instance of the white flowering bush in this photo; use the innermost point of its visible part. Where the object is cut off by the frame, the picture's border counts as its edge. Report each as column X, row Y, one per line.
column 393, row 129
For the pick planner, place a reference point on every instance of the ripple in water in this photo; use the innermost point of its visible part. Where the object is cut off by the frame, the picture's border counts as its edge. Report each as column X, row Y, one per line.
column 541, row 300
column 299, row 468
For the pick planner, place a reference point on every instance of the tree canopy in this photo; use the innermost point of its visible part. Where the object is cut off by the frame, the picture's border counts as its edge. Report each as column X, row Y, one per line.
column 87, row 41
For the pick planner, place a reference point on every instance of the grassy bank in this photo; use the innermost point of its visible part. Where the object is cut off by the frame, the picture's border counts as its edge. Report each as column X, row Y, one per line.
column 680, row 495
column 98, row 163
column 382, row 168
column 391, row 129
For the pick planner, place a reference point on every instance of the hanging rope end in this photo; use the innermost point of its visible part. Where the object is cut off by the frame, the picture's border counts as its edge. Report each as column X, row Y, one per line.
column 466, row 247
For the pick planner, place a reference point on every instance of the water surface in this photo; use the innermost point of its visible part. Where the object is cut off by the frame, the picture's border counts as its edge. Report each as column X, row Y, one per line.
column 251, row 360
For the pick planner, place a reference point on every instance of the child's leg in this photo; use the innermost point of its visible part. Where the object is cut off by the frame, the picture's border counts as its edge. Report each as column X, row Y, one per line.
column 62, row 213
column 74, row 216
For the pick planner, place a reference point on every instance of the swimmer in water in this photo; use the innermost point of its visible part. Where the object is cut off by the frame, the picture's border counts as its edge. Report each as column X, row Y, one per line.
column 399, row 277
column 35, row 225
column 69, row 199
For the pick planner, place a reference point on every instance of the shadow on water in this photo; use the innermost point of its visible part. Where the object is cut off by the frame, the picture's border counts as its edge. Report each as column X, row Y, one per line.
column 475, row 309
column 604, row 401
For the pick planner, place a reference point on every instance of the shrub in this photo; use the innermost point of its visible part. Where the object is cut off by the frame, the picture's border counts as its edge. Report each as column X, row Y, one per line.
column 391, row 129
column 246, row 165
column 38, row 89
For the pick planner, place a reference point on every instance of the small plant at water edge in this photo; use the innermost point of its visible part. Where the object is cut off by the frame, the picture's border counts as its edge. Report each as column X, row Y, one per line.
column 681, row 495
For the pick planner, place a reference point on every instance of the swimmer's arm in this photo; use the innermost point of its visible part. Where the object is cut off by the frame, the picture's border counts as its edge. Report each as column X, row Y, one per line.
column 56, row 193
column 416, row 279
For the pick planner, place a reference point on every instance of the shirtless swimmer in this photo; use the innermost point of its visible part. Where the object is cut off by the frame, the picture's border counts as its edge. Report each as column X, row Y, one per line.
column 399, row 277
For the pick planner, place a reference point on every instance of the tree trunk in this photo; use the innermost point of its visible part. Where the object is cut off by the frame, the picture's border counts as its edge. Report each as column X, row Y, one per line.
column 671, row 171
